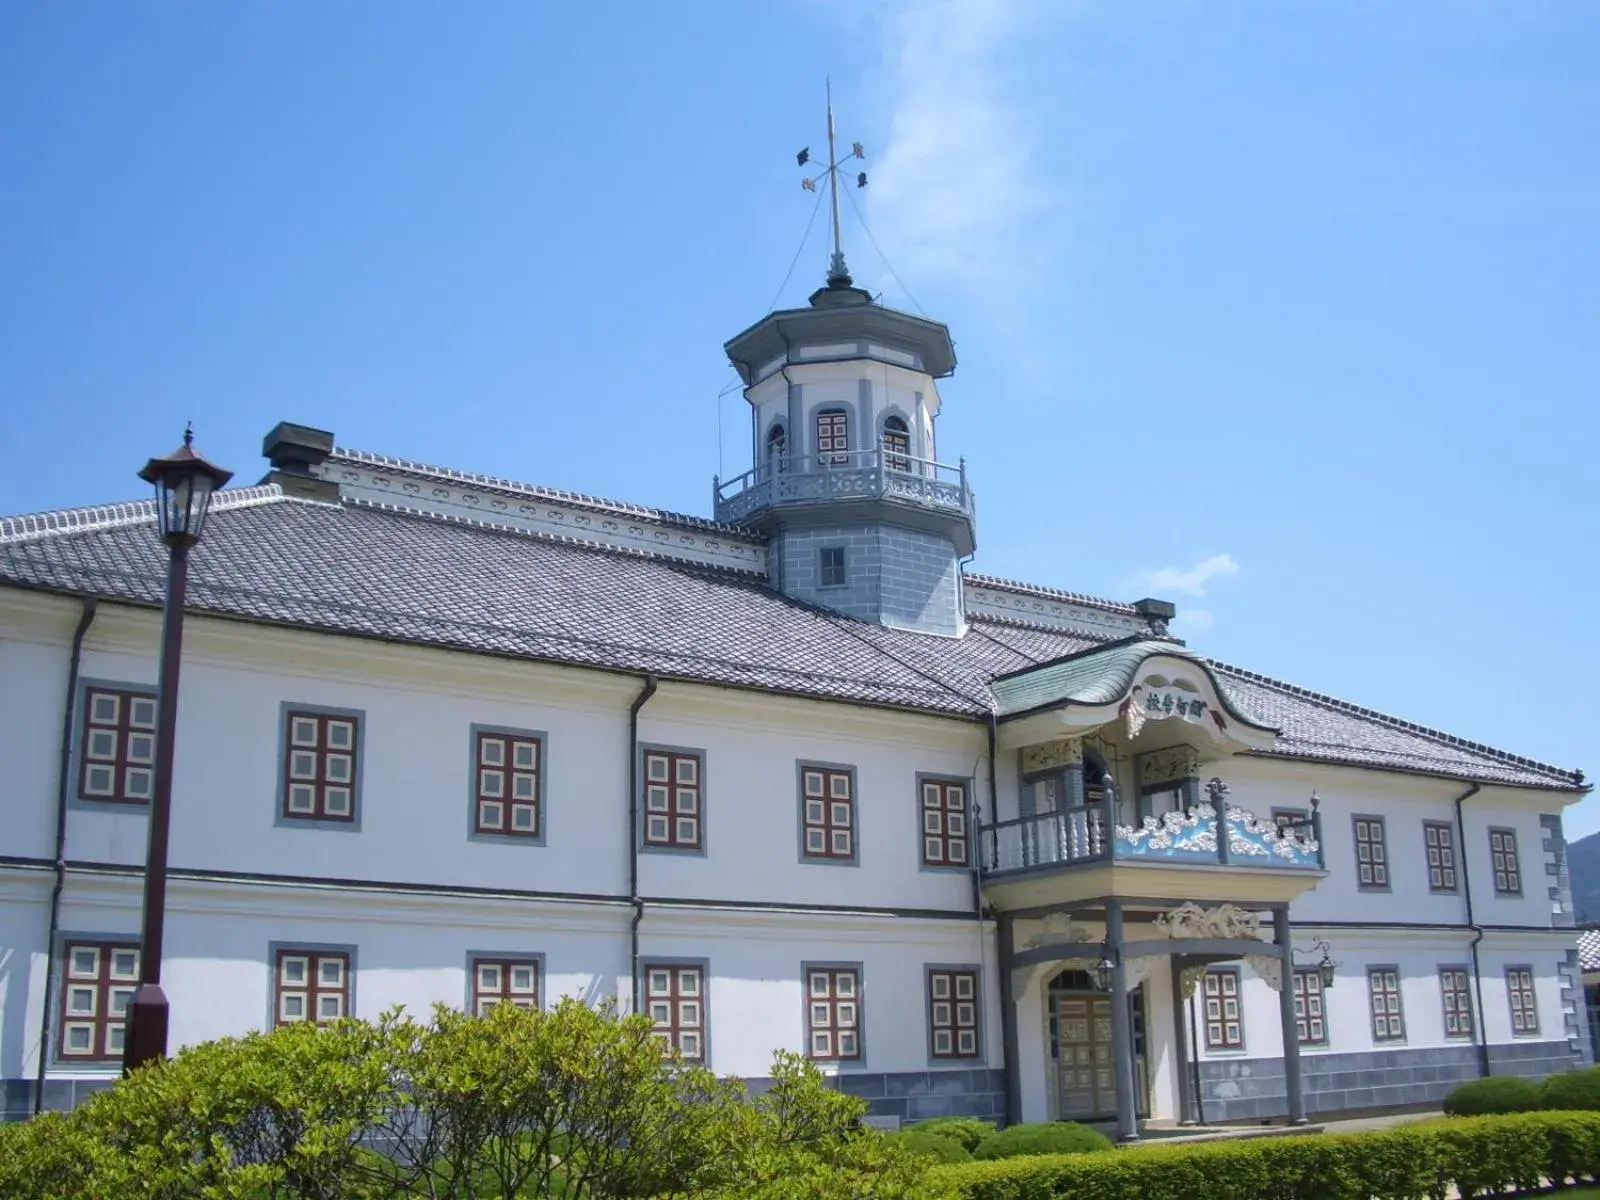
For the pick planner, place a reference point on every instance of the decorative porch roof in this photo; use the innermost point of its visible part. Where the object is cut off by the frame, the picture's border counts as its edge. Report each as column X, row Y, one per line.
column 1101, row 676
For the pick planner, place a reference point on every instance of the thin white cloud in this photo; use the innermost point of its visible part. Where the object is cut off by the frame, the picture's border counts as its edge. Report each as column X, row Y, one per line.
column 1191, row 621
column 954, row 196
column 1190, row 581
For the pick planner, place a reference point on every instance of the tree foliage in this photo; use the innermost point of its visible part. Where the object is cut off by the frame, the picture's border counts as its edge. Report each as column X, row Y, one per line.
column 572, row 1103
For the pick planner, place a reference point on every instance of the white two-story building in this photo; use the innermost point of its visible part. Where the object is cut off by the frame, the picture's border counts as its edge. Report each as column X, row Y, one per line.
column 786, row 778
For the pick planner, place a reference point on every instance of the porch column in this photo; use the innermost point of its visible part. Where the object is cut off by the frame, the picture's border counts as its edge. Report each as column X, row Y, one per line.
column 1121, row 1028
column 1180, row 1044
column 1291, row 1035
column 1005, row 935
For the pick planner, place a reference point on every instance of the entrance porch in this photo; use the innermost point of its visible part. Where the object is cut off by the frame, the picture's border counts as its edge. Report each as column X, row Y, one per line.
column 1097, row 1014
column 1118, row 878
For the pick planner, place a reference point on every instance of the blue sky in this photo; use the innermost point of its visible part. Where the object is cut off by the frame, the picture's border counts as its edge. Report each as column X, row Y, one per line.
column 1284, row 312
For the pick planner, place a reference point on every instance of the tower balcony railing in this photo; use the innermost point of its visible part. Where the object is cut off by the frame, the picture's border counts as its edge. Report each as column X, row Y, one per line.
column 1211, row 833
column 877, row 474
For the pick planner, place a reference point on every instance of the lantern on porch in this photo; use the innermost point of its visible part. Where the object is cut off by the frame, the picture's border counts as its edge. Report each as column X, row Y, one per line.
column 1104, row 970
column 1327, row 968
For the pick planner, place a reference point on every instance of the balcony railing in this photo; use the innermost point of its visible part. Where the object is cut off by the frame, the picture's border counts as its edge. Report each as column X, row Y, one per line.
column 847, row 475
column 1215, row 833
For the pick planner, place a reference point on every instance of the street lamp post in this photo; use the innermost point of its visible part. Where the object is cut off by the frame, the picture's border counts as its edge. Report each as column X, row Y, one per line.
column 184, row 483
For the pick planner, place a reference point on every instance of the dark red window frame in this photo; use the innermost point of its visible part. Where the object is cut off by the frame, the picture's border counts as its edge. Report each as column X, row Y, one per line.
column 333, row 759
column 833, row 1011
column 946, row 841
column 675, row 999
column 131, row 755
column 107, row 990
column 508, row 988
column 507, row 786
column 312, row 988
column 673, row 799
column 953, row 1013
column 828, row 809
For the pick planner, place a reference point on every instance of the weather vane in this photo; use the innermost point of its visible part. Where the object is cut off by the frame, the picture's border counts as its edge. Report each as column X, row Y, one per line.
column 838, row 273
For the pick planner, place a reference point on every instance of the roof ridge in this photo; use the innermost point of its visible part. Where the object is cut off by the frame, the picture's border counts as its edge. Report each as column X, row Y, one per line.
column 560, row 539
column 1394, row 722
column 512, row 486
column 1034, row 589
column 1010, row 622
column 30, row 526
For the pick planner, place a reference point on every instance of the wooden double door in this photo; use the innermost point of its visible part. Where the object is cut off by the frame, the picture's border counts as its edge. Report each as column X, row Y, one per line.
column 1086, row 1086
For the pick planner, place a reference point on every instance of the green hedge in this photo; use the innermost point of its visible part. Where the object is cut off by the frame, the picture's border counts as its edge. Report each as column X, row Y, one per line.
column 1573, row 1090
column 968, row 1131
column 1062, row 1137
column 935, row 1146
column 1494, row 1094
column 1475, row 1155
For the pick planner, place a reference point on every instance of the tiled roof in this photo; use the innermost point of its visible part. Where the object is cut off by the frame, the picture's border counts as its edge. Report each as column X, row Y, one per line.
column 1315, row 726
column 512, row 488
column 373, row 570
column 1029, row 589
column 1588, row 950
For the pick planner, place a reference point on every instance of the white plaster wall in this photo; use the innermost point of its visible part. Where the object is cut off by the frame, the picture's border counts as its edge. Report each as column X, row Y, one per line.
column 1418, row 955
column 1033, row 1050
column 33, row 688
column 24, row 917
column 415, row 807
column 1161, row 1048
column 757, row 990
column 825, row 385
column 1405, row 802
column 415, row 767
column 752, row 825
column 412, row 951
column 1502, row 809
column 1544, row 954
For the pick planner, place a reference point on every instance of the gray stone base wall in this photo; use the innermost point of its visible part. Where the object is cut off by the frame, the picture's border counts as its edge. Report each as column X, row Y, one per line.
column 1533, row 1060
column 907, row 1096
column 1244, row 1089
column 60, row 1095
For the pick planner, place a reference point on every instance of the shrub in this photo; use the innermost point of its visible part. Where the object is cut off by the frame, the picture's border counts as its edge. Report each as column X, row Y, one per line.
column 1573, row 1090
column 572, row 1102
column 1474, row 1156
column 968, row 1131
column 1493, row 1094
column 931, row 1145
column 1058, row 1138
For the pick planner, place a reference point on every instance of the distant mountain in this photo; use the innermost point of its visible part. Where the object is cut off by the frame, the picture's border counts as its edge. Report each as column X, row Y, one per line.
column 1583, row 867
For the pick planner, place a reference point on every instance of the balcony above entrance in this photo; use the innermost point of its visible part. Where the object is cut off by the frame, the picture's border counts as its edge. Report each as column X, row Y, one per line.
column 1214, row 850
column 1111, row 747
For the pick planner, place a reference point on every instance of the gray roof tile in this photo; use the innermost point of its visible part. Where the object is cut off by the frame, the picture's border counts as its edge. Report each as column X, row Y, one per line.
column 374, row 571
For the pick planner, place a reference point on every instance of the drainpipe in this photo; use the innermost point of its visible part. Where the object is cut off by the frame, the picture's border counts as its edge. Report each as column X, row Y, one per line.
column 639, row 702
column 1477, row 930
column 63, row 789
column 994, row 819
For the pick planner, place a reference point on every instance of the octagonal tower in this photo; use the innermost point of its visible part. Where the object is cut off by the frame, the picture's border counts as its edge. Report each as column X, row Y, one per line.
column 862, row 518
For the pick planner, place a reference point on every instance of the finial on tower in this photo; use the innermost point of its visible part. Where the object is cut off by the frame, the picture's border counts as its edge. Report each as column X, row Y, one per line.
column 838, row 272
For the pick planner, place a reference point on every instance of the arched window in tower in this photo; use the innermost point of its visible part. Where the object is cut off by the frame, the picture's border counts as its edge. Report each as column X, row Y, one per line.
column 896, row 444
column 777, row 449
column 833, row 437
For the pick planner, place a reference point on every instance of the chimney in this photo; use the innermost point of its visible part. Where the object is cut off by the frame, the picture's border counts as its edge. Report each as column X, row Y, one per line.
column 295, row 451
column 1157, row 613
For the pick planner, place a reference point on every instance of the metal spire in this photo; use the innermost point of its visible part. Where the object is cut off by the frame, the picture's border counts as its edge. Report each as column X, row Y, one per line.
column 838, row 272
